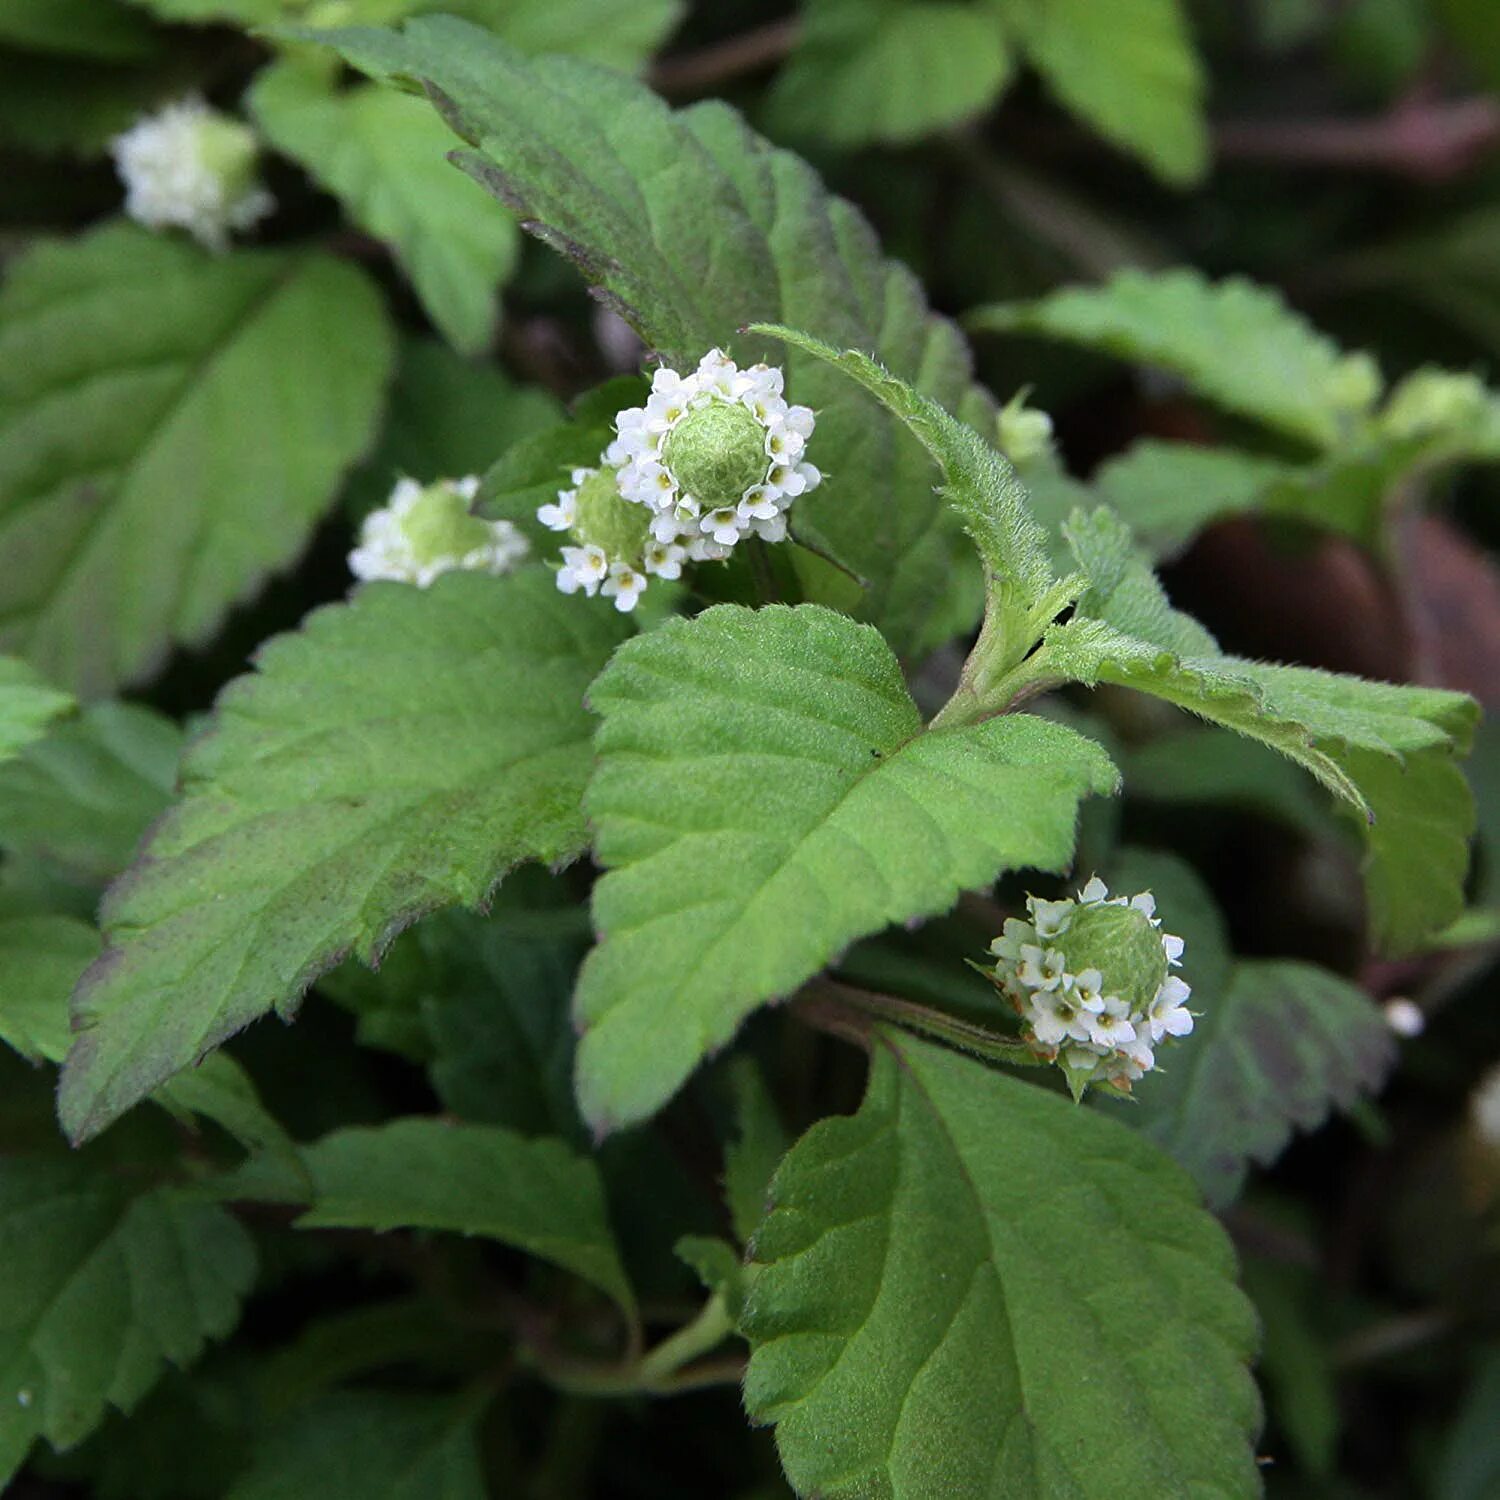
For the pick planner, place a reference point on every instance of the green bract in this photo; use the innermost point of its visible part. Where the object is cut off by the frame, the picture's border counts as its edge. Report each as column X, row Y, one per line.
column 717, row 452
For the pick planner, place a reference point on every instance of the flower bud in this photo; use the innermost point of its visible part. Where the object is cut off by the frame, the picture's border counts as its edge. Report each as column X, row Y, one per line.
column 1023, row 433
column 422, row 533
column 1428, row 402
column 190, row 167
column 1092, row 984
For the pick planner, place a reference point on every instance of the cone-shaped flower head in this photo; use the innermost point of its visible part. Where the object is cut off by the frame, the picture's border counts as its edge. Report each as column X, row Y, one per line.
column 1092, row 982
column 424, row 532
column 190, row 167
column 613, row 550
column 716, row 455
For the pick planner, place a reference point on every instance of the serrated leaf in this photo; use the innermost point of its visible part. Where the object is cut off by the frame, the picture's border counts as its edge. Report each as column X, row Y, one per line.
column 99, row 29
column 320, row 816
column 102, row 1287
column 1387, row 750
column 732, row 232
column 27, row 706
column 974, row 1288
column 537, row 1195
column 1128, row 68
column 173, row 423
column 1232, row 341
column 1283, row 1046
column 41, row 958
column 447, row 417
column 369, row 1445
column 382, row 155
column 765, row 795
column 889, row 70
column 83, row 795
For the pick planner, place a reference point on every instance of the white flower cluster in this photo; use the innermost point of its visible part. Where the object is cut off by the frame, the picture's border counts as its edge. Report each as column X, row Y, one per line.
column 711, row 458
column 1090, row 981
column 423, row 532
column 190, row 167
column 715, row 455
column 589, row 566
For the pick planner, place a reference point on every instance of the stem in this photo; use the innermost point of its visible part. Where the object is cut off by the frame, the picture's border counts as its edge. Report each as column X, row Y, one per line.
column 707, row 70
column 663, row 1371
column 978, row 1040
column 760, row 571
column 978, row 698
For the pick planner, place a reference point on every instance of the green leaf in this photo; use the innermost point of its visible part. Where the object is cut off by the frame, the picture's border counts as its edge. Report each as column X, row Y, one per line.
column 1232, row 341
column 889, row 70
column 27, row 706
column 447, row 418
column 41, row 958
column 1169, row 492
column 1284, row 1045
column 368, row 1445
column 619, row 33
column 765, row 795
column 1387, row 750
column 102, row 1285
column 537, row 1195
column 381, row 154
column 1128, row 68
column 173, row 424
column 396, row 755
column 732, row 232
column 99, row 29
column 84, row 794
column 974, row 1288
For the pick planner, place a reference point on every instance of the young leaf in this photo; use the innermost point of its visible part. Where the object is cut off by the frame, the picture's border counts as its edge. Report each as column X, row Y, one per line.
column 974, row 1288
column 1128, row 68
column 765, row 795
column 890, row 70
column 83, row 795
column 102, row 1285
column 381, row 154
column 396, row 755
column 369, row 1445
column 173, row 424
column 735, row 231
column 27, row 706
column 537, row 1195
column 1233, row 341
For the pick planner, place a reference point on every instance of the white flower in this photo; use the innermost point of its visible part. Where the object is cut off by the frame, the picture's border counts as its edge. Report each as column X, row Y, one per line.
column 190, row 167
column 665, row 559
column 1092, row 983
column 625, row 586
column 583, row 568
column 715, row 455
column 1405, row 1017
column 560, row 517
column 423, row 532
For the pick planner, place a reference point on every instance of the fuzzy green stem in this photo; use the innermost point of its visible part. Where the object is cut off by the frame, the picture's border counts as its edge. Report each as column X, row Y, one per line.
column 978, row 1040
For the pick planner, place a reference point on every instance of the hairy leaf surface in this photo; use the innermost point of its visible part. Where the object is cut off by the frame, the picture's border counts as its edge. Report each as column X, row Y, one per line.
column 1234, row 342
column 381, row 154
column 974, row 1288
column 396, row 755
column 766, row 795
column 692, row 226
column 171, row 425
